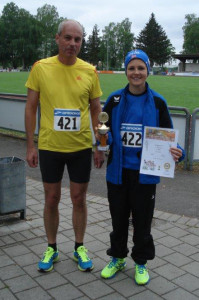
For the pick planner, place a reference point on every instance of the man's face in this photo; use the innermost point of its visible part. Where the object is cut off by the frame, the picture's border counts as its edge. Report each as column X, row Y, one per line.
column 69, row 41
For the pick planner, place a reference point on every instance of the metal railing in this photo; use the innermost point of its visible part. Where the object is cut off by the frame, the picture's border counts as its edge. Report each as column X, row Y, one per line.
column 194, row 145
column 181, row 120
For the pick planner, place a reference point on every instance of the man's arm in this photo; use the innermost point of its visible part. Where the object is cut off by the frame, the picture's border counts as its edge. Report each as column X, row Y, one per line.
column 30, row 124
column 95, row 109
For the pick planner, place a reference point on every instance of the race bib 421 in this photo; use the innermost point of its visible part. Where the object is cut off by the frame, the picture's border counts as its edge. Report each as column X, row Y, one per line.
column 67, row 119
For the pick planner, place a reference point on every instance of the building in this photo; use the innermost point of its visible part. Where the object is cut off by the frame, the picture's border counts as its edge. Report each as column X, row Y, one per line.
column 188, row 62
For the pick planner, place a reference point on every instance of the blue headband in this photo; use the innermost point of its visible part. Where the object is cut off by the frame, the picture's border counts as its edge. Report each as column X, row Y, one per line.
column 139, row 54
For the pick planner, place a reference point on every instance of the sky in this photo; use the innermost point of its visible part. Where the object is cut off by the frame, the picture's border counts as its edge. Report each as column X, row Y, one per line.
column 169, row 14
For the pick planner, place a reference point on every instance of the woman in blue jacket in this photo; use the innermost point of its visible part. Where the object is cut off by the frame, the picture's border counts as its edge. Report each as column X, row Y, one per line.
column 129, row 192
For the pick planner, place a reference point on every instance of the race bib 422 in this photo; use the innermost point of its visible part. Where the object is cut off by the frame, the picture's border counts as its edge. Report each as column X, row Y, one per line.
column 131, row 135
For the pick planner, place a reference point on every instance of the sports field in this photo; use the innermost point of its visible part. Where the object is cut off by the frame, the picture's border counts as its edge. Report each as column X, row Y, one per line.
column 178, row 91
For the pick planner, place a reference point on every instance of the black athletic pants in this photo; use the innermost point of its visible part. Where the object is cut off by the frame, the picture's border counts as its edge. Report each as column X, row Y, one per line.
column 137, row 200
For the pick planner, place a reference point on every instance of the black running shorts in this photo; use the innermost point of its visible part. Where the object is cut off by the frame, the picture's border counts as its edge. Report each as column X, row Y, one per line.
column 78, row 164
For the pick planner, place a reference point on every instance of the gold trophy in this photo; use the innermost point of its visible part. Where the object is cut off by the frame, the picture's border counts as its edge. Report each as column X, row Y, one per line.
column 102, row 130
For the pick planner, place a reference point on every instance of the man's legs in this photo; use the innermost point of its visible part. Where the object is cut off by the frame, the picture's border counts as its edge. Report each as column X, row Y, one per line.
column 51, row 213
column 52, row 167
column 51, row 223
column 79, row 217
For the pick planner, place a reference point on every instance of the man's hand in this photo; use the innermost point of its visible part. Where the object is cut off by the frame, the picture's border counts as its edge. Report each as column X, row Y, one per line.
column 98, row 157
column 32, row 157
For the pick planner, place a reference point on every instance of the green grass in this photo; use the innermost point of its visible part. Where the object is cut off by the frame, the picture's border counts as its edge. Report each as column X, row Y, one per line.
column 13, row 82
column 178, row 91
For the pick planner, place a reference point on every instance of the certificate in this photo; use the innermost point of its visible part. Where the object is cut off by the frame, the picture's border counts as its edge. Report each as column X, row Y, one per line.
column 156, row 157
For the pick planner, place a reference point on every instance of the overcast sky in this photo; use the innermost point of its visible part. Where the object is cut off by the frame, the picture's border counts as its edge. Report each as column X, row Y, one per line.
column 170, row 14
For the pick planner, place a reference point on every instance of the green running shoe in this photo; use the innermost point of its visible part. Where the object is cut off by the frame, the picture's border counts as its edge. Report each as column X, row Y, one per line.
column 115, row 265
column 49, row 257
column 141, row 274
column 81, row 257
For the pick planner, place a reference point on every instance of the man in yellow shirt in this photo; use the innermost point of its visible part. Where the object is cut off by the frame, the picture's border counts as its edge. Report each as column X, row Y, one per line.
column 67, row 88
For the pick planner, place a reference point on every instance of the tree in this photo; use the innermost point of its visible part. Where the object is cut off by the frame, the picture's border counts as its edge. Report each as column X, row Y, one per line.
column 83, row 52
column 109, row 45
column 125, row 38
column 191, row 34
column 48, row 17
column 29, row 38
column 153, row 40
column 21, row 34
column 8, row 34
column 117, row 39
column 26, row 38
column 3, row 52
column 93, row 46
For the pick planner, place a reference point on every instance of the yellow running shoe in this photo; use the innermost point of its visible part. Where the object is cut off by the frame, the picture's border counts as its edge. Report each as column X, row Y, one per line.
column 49, row 257
column 81, row 257
column 141, row 274
column 115, row 265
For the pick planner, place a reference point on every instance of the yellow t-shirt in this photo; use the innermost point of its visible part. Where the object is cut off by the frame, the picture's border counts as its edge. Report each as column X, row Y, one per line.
column 64, row 102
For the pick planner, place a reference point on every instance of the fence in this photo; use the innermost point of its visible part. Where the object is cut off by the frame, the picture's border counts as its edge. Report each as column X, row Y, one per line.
column 12, row 108
column 194, row 149
column 181, row 121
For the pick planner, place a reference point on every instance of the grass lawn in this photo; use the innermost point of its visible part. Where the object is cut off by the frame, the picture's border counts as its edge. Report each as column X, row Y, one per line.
column 178, row 91
column 13, row 82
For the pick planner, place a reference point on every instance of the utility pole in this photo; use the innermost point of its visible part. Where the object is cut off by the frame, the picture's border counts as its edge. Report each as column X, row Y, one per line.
column 107, row 54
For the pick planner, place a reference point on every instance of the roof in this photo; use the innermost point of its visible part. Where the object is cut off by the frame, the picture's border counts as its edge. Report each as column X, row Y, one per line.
column 184, row 57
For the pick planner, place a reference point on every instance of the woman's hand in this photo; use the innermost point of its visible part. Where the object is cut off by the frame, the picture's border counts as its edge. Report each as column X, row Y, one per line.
column 176, row 153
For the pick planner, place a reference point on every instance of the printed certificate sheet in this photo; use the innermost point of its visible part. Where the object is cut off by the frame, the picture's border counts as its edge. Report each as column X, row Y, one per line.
column 156, row 157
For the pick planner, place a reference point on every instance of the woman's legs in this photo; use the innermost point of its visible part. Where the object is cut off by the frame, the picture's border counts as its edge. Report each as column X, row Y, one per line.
column 142, row 215
column 120, row 212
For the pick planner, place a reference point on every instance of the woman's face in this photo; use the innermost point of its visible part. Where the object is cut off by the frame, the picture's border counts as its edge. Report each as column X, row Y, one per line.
column 136, row 75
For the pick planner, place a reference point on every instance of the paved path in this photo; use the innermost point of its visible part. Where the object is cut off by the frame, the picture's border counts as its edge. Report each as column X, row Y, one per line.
column 174, row 272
